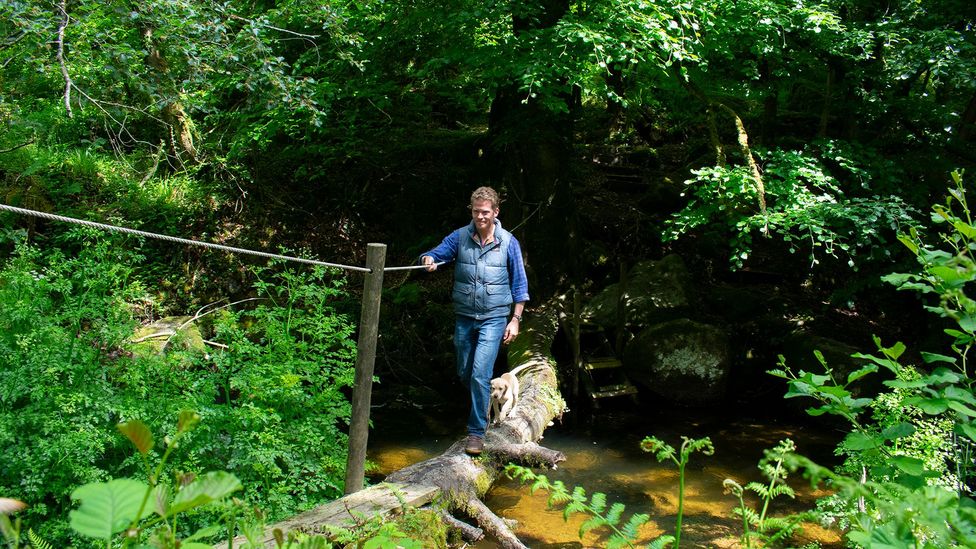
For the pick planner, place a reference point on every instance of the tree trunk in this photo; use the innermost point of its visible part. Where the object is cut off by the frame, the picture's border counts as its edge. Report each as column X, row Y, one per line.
column 179, row 125
column 463, row 480
column 740, row 127
column 530, row 152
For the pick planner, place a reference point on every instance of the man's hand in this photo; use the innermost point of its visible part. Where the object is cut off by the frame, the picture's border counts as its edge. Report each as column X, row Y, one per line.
column 429, row 263
column 511, row 331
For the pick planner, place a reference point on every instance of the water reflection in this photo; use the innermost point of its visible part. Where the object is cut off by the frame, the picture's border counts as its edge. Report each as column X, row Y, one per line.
column 603, row 455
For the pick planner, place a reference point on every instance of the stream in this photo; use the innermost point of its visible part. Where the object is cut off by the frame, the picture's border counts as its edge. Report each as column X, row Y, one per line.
column 603, row 455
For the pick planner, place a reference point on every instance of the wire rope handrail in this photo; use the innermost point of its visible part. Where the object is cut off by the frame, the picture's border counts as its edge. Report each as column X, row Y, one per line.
column 212, row 245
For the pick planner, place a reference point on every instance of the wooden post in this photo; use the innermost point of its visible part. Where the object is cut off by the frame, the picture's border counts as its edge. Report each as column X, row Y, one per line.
column 618, row 347
column 575, row 344
column 365, row 358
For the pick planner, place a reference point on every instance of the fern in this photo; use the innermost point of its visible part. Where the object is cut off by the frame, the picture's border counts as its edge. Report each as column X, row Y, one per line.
column 767, row 529
column 577, row 502
column 36, row 541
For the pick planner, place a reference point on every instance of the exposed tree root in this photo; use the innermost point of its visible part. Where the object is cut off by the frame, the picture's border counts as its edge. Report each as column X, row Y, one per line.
column 495, row 526
column 470, row 534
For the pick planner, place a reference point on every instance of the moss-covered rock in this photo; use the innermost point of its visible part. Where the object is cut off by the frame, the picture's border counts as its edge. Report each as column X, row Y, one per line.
column 655, row 290
column 680, row 361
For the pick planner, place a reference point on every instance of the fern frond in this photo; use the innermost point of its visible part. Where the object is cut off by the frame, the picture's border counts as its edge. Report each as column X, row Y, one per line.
column 758, row 488
column 36, row 541
column 661, row 542
column 613, row 515
column 598, row 502
column 629, row 530
column 589, row 524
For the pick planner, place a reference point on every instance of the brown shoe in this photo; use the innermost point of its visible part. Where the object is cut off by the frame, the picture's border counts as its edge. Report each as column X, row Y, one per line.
column 474, row 445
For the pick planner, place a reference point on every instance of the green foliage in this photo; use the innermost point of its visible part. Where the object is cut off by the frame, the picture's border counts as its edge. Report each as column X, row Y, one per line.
column 910, row 460
column 766, row 529
column 665, row 452
column 807, row 207
column 595, row 507
column 272, row 400
column 123, row 505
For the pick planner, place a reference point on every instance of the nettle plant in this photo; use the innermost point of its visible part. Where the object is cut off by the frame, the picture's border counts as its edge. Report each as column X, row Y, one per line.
column 908, row 476
column 806, row 206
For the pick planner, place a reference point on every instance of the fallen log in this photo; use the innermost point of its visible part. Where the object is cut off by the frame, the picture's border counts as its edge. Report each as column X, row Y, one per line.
column 455, row 481
column 464, row 480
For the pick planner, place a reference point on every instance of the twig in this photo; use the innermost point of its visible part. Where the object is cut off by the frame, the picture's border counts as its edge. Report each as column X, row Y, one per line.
column 63, row 7
column 272, row 27
column 201, row 314
column 15, row 147
column 168, row 333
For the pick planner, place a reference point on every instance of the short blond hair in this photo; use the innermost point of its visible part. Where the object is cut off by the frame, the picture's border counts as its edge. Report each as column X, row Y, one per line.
column 485, row 193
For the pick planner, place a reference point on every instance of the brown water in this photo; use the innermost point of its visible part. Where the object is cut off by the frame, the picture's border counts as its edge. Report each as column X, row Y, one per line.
column 603, row 455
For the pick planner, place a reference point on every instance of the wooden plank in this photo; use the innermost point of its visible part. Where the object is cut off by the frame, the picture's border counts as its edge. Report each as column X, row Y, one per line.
column 382, row 499
column 600, row 363
column 614, row 390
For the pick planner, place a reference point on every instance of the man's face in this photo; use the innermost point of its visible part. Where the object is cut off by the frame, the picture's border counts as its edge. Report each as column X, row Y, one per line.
column 483, row 214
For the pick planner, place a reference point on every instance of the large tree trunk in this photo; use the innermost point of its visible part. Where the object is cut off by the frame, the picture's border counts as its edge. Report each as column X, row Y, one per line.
column 530, row 151
column 463, row 480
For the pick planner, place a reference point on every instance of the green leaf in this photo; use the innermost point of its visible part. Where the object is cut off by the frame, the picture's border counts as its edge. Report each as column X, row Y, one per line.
column 964, row 228
column 908, row 242
column 137, row 433
column 212, row 486
column 205, row 532
column 661, row 542
column 861, row 372
column 590, row 524
column 900, row 430
column 910, row 465
column 857, row 440
column 107, row 507
column 931, row 406
column 962, row 408
column 968, row 429
column 929, row 358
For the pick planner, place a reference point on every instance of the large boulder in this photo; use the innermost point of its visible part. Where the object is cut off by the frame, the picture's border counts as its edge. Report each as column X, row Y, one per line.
column 655, row 290
column 681, row 361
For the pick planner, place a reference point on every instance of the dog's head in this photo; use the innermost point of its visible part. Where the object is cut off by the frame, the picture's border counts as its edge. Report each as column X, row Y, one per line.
column 498, row 388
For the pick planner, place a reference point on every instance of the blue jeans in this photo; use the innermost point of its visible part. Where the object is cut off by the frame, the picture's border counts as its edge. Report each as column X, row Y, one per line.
column 476, row 343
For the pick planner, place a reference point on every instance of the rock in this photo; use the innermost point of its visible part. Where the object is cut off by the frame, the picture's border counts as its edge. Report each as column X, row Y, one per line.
column 681, row 361
column 161, row 336
column 655, row 290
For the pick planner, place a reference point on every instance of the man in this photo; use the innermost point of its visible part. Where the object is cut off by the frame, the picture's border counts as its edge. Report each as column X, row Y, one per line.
column 488, row 278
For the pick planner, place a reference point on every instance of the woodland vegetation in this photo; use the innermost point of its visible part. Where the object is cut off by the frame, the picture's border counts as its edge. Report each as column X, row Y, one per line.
column 801, row 138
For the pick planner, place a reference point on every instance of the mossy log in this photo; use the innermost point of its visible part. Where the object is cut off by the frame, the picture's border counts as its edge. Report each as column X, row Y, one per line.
column 463, row 480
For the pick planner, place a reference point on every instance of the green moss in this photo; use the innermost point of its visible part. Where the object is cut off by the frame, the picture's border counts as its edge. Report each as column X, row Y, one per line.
column 424, row 526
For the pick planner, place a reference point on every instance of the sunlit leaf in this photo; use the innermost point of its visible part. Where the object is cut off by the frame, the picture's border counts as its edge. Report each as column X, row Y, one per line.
column 139, row 434
column 107, row 507
column 212, row 486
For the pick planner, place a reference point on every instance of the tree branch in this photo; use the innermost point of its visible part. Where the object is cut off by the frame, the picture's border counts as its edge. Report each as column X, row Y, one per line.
column 15, row 147
column 63, row 8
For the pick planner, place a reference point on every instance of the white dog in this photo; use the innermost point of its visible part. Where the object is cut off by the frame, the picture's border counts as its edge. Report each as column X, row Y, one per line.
column 504, row 393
